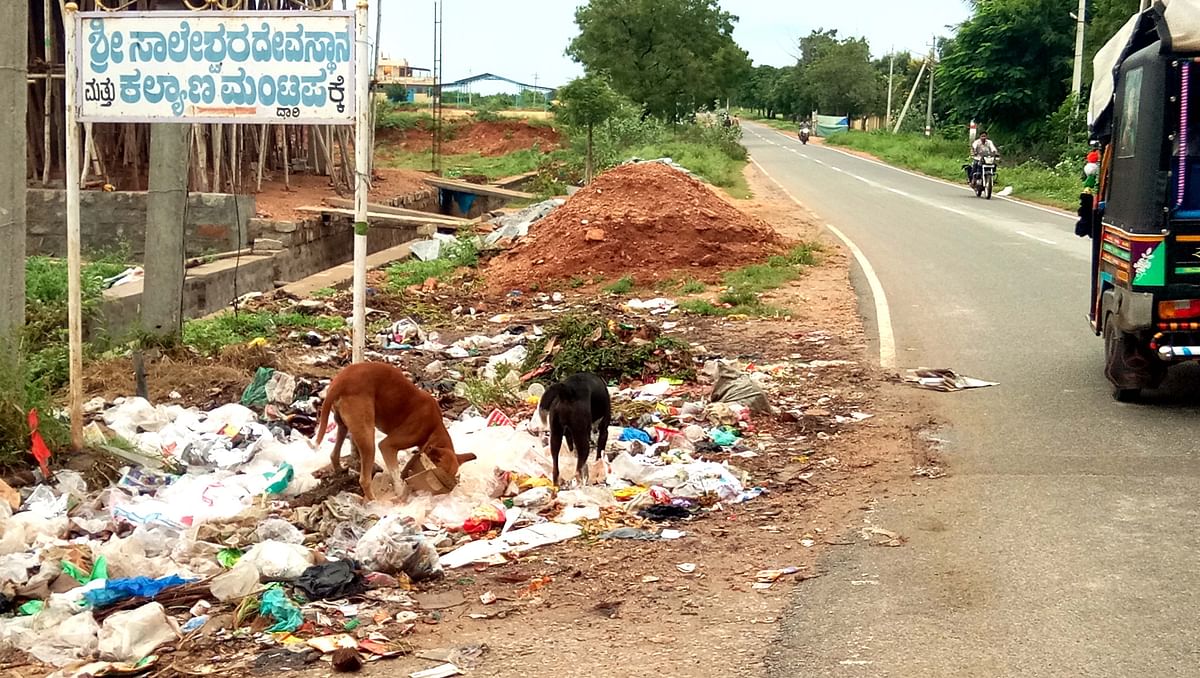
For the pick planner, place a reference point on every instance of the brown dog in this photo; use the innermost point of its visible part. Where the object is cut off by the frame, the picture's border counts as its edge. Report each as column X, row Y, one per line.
column 367, row 396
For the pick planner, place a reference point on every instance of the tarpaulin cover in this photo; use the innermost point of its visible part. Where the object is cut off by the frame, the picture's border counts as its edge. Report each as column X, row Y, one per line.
column 831, row 124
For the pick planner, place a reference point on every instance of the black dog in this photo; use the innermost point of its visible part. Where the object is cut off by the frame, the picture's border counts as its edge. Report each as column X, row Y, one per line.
column 572, row 407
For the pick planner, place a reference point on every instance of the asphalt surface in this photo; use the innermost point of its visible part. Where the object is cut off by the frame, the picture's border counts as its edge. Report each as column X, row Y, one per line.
column 1065, row 542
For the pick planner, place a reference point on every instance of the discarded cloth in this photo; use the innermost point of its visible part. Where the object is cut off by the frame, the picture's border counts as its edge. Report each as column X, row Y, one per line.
column 336, row 579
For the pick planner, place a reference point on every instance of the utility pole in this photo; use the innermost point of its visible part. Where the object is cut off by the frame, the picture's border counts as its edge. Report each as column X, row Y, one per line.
column 1077, row 76
column 929, row 112
column 14, row 92
column 891, row 75
column 912, row 93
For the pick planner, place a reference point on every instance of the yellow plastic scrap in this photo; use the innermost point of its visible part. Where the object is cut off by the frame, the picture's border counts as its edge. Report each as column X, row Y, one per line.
column 529, row 482
column 627, row 493
column 257, row 342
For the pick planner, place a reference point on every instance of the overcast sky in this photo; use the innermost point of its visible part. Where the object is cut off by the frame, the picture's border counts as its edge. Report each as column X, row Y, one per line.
column 521, row 39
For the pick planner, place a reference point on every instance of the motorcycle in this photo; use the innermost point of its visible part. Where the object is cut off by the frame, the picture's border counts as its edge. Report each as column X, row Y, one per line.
column 984, row 177
column 804, row 135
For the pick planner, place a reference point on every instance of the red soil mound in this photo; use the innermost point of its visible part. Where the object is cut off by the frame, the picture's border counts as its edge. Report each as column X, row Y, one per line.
column 485, row 138
column 646, row 220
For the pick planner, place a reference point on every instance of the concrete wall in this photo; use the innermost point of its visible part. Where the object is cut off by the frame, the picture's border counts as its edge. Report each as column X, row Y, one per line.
column 209, row 288
column 118, row 219
column 314, row 245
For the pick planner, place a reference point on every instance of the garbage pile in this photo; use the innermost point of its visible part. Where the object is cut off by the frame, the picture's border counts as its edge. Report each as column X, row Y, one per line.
column 645, row 217
column 227, row 529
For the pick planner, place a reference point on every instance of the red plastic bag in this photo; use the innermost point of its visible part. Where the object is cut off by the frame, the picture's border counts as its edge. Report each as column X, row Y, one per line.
column 39, row 449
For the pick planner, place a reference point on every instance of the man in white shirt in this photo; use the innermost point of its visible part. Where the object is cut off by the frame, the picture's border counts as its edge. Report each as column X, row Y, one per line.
column 981, row 147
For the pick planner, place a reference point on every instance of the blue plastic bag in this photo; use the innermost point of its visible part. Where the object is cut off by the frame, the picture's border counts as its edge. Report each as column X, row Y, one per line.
column 116, row 590
column 638, row 434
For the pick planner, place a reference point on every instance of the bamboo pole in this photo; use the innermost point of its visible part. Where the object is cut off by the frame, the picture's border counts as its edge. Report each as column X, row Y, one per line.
column 262, row 154
column 218, row 132
column 47, row 27
column 74, row 254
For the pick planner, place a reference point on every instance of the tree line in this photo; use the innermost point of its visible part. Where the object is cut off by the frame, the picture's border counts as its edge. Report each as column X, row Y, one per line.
column 1008, row 66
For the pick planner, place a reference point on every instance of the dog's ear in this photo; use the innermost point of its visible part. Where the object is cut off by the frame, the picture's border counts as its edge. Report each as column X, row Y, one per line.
column 464, row 458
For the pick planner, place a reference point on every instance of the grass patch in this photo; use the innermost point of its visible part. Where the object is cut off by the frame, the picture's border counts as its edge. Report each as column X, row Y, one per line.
column 578, row 343
column 621, row 286
column 744, row 285
column 324, row 293
column 454, row 256
column 492, row 167
column 943, row 158
column 710, row 163
column 485, row 394
column 693, row 286
column 210, row 335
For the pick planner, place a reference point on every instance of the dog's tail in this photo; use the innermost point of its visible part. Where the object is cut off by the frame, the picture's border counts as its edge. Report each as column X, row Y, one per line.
column 323, row 421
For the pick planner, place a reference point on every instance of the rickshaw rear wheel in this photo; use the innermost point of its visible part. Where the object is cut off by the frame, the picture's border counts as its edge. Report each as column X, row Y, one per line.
column 1122, row 360
column 1126, row 395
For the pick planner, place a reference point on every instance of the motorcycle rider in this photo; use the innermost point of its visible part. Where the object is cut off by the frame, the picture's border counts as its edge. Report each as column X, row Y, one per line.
column 981, row 147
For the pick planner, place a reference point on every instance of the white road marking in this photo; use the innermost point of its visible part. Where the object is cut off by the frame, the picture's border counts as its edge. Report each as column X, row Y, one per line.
column 1030, row 235
column 883, row 314
column 1048, row 210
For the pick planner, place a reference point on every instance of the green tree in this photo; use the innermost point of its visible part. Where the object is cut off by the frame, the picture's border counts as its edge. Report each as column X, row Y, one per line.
column 396, row 93
column 1105, row 18
column 841, row 78
column 731, row 67
column 1010, row 63
column 659, row 53
column 586, row 102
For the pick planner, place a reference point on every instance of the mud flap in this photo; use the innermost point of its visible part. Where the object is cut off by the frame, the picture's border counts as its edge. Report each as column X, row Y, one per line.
column 1127, row 364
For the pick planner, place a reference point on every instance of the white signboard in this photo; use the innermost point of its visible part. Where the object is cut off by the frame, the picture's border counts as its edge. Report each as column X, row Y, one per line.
column 241, row 67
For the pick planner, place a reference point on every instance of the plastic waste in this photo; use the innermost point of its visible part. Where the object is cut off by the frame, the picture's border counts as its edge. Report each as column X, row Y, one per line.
column 56, row 635
column 629, row 433
column 276, row 605
column 116, row 590
column 45, row 503
column 631, row 533
column 237, row 583
column 694, row 433
column 278, row 529
column 134, row 634
column 256, row 392
column 15, row 567
column 518, row 541
column 533, row 497
column 281, row 388
column 71, row 483
column 278, row 561
column 395, row 545
column 722, row 437
column 639, row 472
column 336, row 579
column 731, row 385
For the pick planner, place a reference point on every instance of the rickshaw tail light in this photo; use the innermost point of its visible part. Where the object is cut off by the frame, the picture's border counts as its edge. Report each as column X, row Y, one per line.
column 1179, row 309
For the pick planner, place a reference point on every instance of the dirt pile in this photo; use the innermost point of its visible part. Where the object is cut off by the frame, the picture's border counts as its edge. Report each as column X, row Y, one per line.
column 646, row 220
column 490, row 139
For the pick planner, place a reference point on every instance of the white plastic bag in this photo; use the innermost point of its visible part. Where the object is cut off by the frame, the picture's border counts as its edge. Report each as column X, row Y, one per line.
column 133, row 634
column 279, row 561
column 237, row 583
column 395, row 545
column 278, row 529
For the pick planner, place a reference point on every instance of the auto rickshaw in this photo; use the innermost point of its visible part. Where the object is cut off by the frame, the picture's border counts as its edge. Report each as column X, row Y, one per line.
column 1144, row 215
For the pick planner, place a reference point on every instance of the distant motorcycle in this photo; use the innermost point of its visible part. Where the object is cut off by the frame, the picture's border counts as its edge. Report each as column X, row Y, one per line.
column 804, row 135
column 983, row 178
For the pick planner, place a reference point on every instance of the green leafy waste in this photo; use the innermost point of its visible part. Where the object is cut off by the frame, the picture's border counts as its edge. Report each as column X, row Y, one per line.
column 578, row 343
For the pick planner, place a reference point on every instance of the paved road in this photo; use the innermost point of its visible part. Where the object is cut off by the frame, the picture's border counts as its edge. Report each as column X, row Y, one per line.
column 1067, row 540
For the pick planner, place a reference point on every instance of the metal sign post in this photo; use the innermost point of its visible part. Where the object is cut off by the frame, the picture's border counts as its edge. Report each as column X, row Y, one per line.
column 263, row 67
